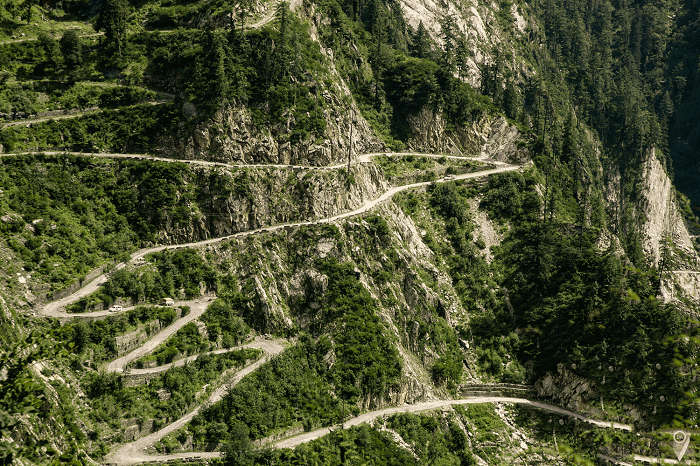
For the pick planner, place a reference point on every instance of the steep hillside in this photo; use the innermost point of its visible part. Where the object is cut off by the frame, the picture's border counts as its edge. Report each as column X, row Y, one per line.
column 340, row 232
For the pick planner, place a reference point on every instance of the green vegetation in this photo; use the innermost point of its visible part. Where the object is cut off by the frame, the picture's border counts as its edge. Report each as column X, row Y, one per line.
column 169, row 274
column 114, row 403
column 186, row 341
column 83, row 211
column 125, row 130
column 432, row 439
column 395, row 74
column 33, row 97
column 585, row 308
column 94, row 341
column 445, row 215
column 225, row 326
column 592, row 88
column 359, row 445
column 293, row 389
column 317, row 382
column 409, row 169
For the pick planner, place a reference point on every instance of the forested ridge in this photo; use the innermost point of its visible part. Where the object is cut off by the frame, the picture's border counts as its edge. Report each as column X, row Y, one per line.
column 570, row 279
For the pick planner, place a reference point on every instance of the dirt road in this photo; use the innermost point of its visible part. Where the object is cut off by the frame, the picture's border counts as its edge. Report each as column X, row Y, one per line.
column 431, row 405
column 197, row 308
column 134, row 452
column 54, row 308
column 260, row 343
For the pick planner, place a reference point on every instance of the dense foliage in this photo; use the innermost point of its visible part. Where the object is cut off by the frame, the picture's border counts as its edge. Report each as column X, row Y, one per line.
column 94, row 341
column 359, row 445
column 319, row 381
column 292, row 389
column 172, row 273
column 115, row 402
column 82, row 211
column 584, row 307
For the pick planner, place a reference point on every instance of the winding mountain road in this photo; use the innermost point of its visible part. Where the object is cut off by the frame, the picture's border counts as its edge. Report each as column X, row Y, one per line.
column 55, row 308
column 197, row 308
column 260, row 343
column 297, row 440
column 134, row 452
column 69, row 114
column 362, row 158
column 32, row 39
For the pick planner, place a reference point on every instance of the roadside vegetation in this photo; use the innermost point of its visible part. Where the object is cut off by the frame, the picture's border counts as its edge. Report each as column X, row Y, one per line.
column 116, row 404
column 93, row 342
column 607, row 83
column 167, row 274
column 410, row 169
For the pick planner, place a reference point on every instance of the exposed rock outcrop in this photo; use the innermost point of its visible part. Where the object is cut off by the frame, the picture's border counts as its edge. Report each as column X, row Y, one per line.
column 491, row 137
column 663, row 220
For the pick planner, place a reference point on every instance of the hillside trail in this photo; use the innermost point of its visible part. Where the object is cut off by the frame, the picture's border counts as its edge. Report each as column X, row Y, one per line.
column 361, row 159
column 55, row 308
column 33, row 39
column 134, row 452
column 261, row 343
column 197, row 308
column 69, row 114
column 294, row 441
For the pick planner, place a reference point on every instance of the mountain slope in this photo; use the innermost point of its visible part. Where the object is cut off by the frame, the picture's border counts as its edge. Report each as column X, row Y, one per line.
column 427, row 202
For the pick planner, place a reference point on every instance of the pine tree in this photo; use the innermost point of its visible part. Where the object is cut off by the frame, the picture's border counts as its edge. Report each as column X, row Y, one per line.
column 51, row 51
column 113, row 21
column 449, row 42
column 282, row 52
column 512, row 102
column 216, row 58
column 71, row 50
column 420, row 42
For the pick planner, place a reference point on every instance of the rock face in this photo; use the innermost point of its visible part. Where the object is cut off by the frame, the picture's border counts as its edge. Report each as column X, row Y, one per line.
column 667, row 242
column 564, row 387
column 680, row 284
column 232, row 136
column 660, row 208
column 474, row 21
column 490, row 137
column 263, row 197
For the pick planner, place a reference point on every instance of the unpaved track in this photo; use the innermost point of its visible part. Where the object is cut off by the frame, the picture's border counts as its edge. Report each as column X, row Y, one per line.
column 134, row 452
column 431, row 405
column 363, row 158
column 72, row 114
column 204, row 163
column 652, row 460
column 197, row 308
column 259, row 343
column 32, row 39
column 54, row 309
column 639, row 459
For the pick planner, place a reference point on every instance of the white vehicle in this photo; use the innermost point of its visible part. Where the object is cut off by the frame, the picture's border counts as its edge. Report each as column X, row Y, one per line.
column 116, row 308
column 449, row 177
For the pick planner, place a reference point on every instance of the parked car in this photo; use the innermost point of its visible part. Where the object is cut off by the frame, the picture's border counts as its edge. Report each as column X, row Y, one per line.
column 116, row 308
